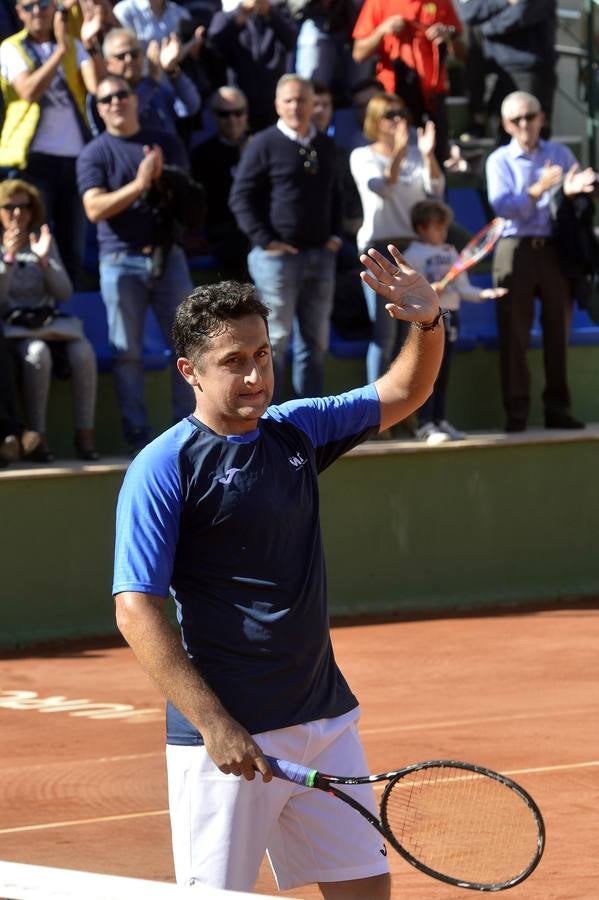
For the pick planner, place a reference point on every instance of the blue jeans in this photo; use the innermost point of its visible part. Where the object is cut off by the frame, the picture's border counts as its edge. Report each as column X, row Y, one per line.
column 323, row 55
column 298, row 289
column 128, row 289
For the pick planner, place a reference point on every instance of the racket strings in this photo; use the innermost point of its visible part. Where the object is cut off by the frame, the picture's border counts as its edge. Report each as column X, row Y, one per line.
column 467, row 826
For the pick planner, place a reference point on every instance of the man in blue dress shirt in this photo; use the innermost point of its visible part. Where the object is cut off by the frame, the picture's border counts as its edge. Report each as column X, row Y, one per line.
column 522, row 177
column 223, row 511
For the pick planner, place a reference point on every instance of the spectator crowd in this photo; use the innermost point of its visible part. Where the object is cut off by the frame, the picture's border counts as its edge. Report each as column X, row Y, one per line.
column 137, row 132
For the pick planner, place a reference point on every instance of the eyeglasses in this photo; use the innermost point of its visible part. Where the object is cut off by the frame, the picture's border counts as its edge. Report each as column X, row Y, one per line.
column 227, row 113
column 29, row 7
column 134, row 54
column 392, row 114
column 310, row 156
column 528, row 117
column 11, row 207
column 118, row 95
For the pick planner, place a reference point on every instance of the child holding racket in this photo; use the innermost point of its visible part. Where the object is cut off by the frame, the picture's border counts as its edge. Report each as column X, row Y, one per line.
column 433, row 257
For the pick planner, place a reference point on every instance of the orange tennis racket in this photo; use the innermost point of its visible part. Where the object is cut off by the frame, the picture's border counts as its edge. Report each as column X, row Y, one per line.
column 475, row 250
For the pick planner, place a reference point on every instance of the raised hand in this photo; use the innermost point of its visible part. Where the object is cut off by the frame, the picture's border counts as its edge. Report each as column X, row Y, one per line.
column 401, row 137
column 170, row 51
column 92, row 26
column 411, row 298
column 579, row 182
column 40, row 245
column 392, row 25
column 426, row 139
column 153, row 57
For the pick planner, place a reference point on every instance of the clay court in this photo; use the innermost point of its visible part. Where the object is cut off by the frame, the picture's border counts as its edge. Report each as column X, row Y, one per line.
column 82, row 775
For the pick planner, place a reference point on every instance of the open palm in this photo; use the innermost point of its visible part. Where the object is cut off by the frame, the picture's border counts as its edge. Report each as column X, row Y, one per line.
column 410, row 296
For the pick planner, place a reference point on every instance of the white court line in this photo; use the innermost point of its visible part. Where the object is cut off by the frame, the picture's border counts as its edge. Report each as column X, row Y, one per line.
column 480, row 720
column 80, row 762
column 164, row 812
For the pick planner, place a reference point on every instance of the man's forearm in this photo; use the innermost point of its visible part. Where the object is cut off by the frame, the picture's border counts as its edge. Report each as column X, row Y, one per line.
column 32, row 86
column 143, row 624
column 107, row 204
column 366, row 47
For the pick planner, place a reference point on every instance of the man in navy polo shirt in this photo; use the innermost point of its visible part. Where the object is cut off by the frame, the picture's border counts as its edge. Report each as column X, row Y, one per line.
column 141, row 263
column 223, row 511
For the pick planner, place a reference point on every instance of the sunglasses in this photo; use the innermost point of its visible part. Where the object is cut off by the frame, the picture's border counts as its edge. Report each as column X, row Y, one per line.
column 118, row 95
column 134, row 54
column 392, row 114
column 528, row 117
column 310, row 156
column 11, row 207
column 227, row 113
column 29, row 7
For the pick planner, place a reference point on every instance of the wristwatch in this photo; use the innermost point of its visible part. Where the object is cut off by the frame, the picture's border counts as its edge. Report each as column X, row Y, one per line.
column 433, row 324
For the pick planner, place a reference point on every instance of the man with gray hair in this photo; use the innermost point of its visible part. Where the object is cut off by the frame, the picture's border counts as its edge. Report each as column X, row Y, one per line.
column 522, row 178
column 160, row 102
column 286, row 199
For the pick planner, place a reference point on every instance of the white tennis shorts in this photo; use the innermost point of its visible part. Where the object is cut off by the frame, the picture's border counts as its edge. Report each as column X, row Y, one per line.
column 222, row 825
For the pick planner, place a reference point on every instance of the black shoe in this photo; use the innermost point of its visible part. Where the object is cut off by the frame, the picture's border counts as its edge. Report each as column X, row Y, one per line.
column 88, row 454
column 562, row 420
column 42, row 455
column 514, row 425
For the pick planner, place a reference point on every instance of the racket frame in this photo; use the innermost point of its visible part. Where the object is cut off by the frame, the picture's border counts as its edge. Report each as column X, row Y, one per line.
column 328, row 783
column 464, row 264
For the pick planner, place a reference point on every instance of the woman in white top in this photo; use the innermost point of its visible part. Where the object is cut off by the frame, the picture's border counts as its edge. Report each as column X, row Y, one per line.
column 392, row 174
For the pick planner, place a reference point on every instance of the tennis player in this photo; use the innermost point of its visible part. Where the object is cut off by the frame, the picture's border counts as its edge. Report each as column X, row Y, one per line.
column 223, row 511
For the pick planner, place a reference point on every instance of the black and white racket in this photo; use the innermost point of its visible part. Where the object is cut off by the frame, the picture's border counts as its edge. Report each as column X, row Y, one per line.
column 461, row 823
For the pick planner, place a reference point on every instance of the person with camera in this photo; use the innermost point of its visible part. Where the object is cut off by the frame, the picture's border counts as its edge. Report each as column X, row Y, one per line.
column 127, row 191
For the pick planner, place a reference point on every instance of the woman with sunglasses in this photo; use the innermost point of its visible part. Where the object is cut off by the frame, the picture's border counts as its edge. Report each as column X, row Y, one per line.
column 32, row 276
column 395, row 171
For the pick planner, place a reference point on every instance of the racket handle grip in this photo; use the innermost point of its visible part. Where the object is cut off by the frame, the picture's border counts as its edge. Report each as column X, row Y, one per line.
column 289, row 771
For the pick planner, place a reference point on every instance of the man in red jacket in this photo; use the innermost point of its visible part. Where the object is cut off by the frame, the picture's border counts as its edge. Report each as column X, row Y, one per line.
column 411, row 39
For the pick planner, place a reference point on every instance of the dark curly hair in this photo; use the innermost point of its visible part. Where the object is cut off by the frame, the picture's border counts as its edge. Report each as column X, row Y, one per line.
column 206, row 311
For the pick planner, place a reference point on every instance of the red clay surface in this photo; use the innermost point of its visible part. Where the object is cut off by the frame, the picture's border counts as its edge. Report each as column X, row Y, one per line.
column 518, row 693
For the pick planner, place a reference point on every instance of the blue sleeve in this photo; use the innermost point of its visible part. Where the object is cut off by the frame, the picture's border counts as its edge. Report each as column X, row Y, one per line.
column 507, row 200
column 91, row 172
column 186, row 98
column 147, row 522
column 334, row 424
column 474, row 12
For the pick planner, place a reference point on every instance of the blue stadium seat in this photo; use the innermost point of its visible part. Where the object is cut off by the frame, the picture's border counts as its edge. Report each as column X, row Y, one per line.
column 89, row 307
column 346, row 349
column 468, row 208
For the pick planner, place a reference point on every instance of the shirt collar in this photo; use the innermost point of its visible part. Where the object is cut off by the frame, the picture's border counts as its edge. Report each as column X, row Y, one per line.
column 516, row 151
column 294, row 136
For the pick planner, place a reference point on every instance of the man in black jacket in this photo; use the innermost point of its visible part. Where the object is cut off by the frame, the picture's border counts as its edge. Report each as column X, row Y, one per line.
column 518, row 44
column 286, row 200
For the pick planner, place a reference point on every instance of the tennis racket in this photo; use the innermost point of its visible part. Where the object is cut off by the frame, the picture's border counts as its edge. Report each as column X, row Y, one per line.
column 475, row 250
column 458, row 822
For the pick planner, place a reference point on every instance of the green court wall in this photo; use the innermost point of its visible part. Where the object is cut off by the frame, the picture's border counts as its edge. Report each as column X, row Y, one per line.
column 409, row 531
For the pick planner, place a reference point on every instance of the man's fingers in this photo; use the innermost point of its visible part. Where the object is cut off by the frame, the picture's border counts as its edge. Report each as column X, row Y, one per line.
column 260, row 765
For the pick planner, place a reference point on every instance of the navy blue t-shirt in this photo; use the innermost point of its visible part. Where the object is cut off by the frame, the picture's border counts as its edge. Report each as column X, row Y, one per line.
column 231, row 526
column 110, row 162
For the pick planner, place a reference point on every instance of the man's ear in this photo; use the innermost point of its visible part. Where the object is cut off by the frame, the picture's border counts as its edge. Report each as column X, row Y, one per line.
column 188, row 371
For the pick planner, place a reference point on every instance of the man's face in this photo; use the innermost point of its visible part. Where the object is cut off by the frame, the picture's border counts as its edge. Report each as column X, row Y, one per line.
column 523, row 122
column 294, row 104
column 233, row 378
column 125, row 59
column 323, row 111
column 36, row 16
column 231, row 116
column 117, row 107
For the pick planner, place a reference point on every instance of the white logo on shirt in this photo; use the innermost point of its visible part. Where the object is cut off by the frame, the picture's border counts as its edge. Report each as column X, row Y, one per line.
column 298, row 460
column 228, row 477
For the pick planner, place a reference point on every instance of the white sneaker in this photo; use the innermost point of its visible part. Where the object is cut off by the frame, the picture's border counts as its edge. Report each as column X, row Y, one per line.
column 453, row 433
column 432, row 434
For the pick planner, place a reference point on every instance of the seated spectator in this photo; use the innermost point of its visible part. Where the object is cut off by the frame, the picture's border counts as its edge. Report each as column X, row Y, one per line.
column 161, row 103
column 431, row 255
column 14, row 442
column 213, row 164
column 255, row 40
column 392, row 173
column 324, row 44
column 411, row 42
column 150, row 20
column 44, row 76
column 121, row 179
column 33, row 279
